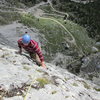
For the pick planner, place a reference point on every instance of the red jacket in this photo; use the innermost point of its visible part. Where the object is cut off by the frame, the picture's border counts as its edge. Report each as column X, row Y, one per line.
column 32, row 47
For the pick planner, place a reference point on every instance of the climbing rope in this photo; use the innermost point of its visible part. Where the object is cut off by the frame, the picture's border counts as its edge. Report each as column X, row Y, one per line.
column 29, row 88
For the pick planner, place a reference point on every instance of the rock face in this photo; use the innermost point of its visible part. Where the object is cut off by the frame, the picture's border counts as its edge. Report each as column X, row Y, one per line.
column 9, row 34
column 97, row 45
column 19, row 71
column 62, row 60
column 67, row 62
column 91, row 68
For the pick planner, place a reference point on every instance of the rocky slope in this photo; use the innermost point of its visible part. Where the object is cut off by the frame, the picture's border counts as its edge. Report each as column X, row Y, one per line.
column 18, row 71
column 91, row 68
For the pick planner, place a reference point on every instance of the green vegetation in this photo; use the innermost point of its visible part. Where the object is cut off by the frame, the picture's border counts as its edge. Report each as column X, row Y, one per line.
column 66, row 79
column 86, row 85
column 53, row 92
column 39, row 71
column 81, row 36
column 42, row 82
column 97, row 89
column 75, row 84
column 26, row 67
column 66, row 96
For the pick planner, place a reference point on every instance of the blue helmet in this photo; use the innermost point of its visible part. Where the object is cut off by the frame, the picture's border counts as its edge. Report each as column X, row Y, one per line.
column 26, row 39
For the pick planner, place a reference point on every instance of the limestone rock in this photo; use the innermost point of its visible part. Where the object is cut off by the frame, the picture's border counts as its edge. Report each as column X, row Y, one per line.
column 18, row 72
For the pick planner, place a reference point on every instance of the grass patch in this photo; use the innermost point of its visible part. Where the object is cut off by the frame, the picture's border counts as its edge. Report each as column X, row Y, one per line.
column 39, row 71
column 81, row 36
column 86, row 85
column 75, row 84
column 26, row 67
column 66, row 96
column 53, row 92
column 42, row 82
column 66, row 79
column 97, row 89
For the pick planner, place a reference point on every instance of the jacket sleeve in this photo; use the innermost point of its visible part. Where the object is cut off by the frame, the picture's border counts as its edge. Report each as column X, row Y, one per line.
column 40, row 54
column 38, row 51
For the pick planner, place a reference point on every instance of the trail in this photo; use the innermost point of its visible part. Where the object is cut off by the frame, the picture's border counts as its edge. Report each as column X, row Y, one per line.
column 62, row 13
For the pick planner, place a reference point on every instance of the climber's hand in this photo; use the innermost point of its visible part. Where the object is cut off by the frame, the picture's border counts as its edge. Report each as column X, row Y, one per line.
column 43, row 64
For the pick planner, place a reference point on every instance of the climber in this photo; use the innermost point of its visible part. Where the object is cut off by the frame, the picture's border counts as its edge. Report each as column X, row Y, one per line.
column 32, row 48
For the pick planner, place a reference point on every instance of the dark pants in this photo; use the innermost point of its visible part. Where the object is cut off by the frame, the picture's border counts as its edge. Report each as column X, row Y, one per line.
column 35, row 58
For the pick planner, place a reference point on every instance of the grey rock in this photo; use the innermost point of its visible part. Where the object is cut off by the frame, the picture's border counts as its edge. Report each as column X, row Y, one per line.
column 91, row 67
column 15, row 80
column 97, row 44
column 94, row 49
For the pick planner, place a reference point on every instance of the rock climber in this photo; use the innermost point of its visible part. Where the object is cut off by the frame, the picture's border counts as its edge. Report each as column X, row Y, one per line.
column 32, row 47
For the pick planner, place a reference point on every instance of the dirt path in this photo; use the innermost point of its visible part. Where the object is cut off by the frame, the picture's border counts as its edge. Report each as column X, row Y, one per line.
column 59, row 12
column 35, row 10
